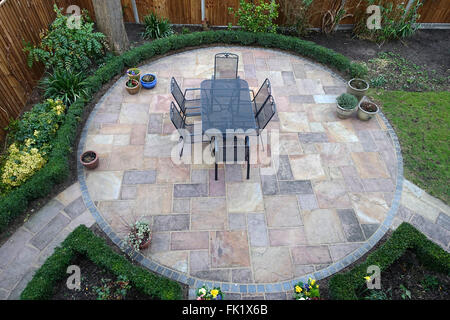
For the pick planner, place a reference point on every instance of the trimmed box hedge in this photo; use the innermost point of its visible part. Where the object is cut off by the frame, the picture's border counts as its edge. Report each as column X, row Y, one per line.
column 57, row 168
column 83, row 242
column 344, row 286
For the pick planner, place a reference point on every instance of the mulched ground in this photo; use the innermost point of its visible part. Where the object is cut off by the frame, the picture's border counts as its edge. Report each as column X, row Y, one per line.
column 425, row 47
column 422, row 283
column 406, row 271
column 91, row 277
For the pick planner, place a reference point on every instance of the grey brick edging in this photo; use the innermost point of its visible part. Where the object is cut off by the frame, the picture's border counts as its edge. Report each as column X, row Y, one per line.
column 243, row 288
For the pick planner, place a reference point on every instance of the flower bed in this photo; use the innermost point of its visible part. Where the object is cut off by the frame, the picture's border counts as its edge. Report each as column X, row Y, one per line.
column 57, row 167
column 83, row 242
column 346, row 286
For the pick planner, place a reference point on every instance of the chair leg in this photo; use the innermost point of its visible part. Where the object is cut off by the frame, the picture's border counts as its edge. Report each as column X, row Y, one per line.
column 215, row 169
column 262, row 142
column 182, row 147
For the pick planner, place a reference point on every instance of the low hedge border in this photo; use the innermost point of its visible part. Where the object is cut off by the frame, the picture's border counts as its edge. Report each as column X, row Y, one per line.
column 84, row 242
column 57, row 168
column 344, row 286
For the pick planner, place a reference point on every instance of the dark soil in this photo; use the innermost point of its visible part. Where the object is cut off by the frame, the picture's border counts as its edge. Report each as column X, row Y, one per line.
column 148, row 78
column 406, row 271
column 88, row 157
column 423, row 284
column 368, row 106
column 91, row 277
column 358, row 84
column 425, row 47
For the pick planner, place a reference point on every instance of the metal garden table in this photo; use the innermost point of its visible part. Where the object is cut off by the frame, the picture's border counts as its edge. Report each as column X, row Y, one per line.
column 226, row 110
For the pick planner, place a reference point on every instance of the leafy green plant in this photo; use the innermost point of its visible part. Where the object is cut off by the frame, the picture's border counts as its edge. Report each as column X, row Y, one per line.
column 347, row 101
column 406, row 294
column 254, row 17
column 358, row 70
column 397, row 21
column 332, row 17
column 113, row 290
column 156, row 28
column 430, row 282
column 65, row 85
column 378, row 295
column 64, row 48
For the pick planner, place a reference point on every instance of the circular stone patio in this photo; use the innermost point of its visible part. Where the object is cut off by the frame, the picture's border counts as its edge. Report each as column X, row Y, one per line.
column 333, row 197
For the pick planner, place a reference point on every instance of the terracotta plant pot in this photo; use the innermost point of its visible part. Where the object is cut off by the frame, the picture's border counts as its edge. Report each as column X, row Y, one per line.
column 135, row 88
column 357, row 87
column 367, row 109
column 135, row 76
column 145, row 244
column 90, row 160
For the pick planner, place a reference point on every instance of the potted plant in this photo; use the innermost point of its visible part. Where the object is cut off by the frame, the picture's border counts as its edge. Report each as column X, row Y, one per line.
column 367, row 109
column 139, row 235
column 346, row 105
column 357, row 87
column 89, row 159
column 148, row 81
column 132, row 86
column 134, row 73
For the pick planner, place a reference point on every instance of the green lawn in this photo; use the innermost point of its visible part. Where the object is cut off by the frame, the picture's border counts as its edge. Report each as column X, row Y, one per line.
column 422, row 123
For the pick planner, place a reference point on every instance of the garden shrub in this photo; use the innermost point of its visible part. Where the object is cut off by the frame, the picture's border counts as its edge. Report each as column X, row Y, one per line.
column 65, row 85
column 32, row 137
column 255, row 17
column 396, row 21
column 297, row 14
column 344, row 286
column 156, row 28
column 83, row 242
column 64, row 48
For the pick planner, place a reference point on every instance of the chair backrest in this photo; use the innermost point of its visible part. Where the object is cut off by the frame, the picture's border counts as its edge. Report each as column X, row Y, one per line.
column 262, row 95
column 265, row 113
column 177, row 93
column 226, row 66
column 175, row 117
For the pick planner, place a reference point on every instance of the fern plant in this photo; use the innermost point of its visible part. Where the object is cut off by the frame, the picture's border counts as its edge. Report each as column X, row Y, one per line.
column 156, row 28
column 65, row 85
column 65, row 48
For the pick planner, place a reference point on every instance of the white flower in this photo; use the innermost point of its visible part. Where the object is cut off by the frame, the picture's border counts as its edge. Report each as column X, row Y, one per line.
column 202, row 291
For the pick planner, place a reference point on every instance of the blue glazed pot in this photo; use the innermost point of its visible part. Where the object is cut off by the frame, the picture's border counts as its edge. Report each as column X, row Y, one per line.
column 148, row 85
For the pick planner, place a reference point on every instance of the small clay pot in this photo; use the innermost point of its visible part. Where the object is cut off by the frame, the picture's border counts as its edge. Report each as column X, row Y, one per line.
column 146, row 244
column 90, row 160
column 135, row 89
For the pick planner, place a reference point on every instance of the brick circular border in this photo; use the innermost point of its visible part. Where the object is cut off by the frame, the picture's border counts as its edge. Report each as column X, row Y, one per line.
column 242, row 288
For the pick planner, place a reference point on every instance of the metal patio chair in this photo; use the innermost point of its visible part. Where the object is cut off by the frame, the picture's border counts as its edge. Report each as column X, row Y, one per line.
column 226, row 66
column 264, row 115
column 180, row 124
column 261, row 96
column 189, row 107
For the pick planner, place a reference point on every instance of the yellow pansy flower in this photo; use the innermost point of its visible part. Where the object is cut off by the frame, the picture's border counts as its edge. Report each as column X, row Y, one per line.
column 214, row 293
column 298, row 289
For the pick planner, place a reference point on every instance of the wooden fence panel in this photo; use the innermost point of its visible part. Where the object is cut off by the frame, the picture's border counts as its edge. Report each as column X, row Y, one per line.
column 435, row 11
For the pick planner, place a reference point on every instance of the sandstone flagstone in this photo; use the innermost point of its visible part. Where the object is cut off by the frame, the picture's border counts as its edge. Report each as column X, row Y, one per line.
column 244, row 197
column 229, row 249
